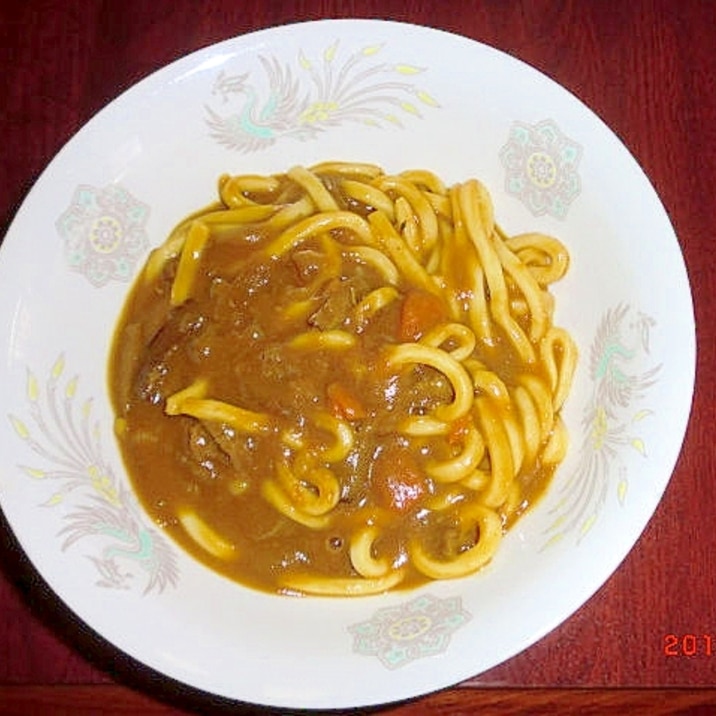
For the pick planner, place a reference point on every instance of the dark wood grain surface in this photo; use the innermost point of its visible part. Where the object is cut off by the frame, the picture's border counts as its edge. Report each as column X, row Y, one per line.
column 647, row 68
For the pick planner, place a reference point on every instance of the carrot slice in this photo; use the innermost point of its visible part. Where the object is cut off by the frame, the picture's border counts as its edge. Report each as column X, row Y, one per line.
column 459, row 429
column 397, row 480
column 344, row 404
column 420, row 312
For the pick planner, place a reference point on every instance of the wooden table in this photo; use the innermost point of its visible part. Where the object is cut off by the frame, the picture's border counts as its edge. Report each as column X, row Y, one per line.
column 647, row 68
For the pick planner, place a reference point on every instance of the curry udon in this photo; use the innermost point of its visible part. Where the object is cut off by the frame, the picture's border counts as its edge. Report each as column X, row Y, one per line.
column 339, row 381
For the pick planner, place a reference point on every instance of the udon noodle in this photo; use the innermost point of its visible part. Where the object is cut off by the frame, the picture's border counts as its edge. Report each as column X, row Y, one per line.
column 338, row 381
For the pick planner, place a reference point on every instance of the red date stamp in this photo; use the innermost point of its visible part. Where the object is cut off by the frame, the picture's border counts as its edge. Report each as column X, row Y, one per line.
column 689, row 645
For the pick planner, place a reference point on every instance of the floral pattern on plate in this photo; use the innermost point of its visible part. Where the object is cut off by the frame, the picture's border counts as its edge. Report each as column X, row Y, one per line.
column 413, row 630
column 97, row 509
column 104, row 233
column 302, row 99
column 541, row 167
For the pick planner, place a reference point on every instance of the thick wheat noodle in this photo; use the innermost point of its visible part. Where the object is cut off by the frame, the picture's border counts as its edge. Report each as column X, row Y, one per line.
column 417, row 353
column 502, row 468
column 424, row 425
column 316, row 492
column 425, row 180
column 421, row 207
column 559, row 355
column 233, row 189
column 556, row 448
column 361, row 553
column 529, row 288
column 343, row 437
column 375, row 257
column 543, row 255
column 312, row 225
column 529, row 421
column 208, row 538
column 275, row 495
column 192, row 250
column 462, row 465
column 355, row 170
column 341, row 586
column 375, row 301
column 369, row 195
column 456, row 333
column 481, row 229
column 399, row 252
column 290, row 214
column 409, row 226
column 317, row 339
column 314, row 187
column 476, row 556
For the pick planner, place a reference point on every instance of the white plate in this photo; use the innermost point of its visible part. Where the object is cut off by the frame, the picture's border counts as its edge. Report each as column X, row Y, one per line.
column 421, row 98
